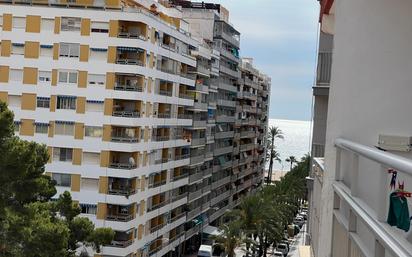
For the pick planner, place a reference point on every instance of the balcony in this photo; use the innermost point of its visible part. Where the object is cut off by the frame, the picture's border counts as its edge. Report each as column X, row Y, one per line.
column 186, row 96
column 324, row 68
column 193, row 213
column 126, row 109
column 158, row 205
column 123, row 160
column 121, row 186
column 247, row 147
column 184, row 116
column 119, row 213
column 247, row 134
column 222, row 118
column 224, row 134
column 199, row 123
column 229, row 71
column 130, row 56
column 195, row 177
column 194, row 195
column 220, row 197
column 221, row 182
column 132, row 30
column 361, row 213
column 125, row 135
column 198, row 141
column 129, row 82
column 227, row 85
column 219, row 150
column 227, row 32
column 227, row 103
column 229, row 54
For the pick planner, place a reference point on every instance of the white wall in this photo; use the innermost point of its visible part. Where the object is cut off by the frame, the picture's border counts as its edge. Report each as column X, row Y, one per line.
column 370, row 92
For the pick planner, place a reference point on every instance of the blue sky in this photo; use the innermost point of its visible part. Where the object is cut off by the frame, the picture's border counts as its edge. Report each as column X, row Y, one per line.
column 281, row 37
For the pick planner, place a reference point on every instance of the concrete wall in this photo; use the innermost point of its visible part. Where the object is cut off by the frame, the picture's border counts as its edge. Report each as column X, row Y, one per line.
column 370, row 91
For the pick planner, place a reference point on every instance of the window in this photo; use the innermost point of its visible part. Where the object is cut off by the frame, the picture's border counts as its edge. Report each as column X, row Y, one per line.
column 64, row 128
column 100, row 27
column 68, row 77
column 16, row 126
column 66, row 102
column 96, row 79
column 91, row 158
column 71, row 24
column 62, row 154
column 47, row 24
column 88, row 208
column 43, row 102
column 69, row 50
column 94, row 106
column 46, row 50
column 19, row 22
column 14, row 100
column 90, row 184
column 91, row 131
column 17, row 49
column 44, row 76
column 42, row 128
column 63, row 180
column 16, row 75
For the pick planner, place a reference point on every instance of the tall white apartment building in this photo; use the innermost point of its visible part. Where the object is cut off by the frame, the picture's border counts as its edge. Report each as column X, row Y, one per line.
column 139, row 116
column 368, row 132
column 103, row 85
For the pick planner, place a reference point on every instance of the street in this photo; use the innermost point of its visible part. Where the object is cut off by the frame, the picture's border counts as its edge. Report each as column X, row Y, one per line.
column 299, row 240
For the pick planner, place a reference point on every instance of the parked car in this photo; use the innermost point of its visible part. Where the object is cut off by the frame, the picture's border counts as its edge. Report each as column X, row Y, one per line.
column 298, row 221
column 283, row 248
column 205, row 251
column 304, row 215
column 286, row 242
column 278, row 254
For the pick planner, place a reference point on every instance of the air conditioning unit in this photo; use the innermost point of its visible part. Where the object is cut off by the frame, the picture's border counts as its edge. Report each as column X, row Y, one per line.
column 395, row 143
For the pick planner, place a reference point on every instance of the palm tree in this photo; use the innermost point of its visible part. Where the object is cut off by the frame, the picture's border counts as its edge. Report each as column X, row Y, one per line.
column 273, row 134
column 230, row 237
column 292, row 160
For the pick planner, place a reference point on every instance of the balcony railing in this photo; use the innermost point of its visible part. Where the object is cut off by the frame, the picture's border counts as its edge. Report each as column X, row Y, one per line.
column 324, row 68
column 124, row 192
column 135, row 87
column 119, row 217
column 125, row 139
column 127, row 114
column 157, row 206
column 131, row 35
column 358, row 205
column 163, row 115
column 130, row 61
column 165, row 92
column 175, row 178
column 157, row 227
column 121, row 244
column 122, row 166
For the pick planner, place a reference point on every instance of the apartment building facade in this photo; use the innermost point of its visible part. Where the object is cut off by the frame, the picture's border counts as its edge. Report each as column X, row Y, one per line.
column 138, row 121
column 367, row 134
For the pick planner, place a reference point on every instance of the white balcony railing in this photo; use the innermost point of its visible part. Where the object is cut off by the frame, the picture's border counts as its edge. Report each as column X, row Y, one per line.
column 352, row 159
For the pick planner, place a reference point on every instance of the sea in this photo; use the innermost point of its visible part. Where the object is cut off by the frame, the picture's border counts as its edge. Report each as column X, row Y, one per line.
column 296, row 141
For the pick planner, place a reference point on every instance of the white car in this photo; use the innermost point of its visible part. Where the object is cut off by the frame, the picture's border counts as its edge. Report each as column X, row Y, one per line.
column 283, row 248
column 299, row 221
column 205, row 251
column 278, row 254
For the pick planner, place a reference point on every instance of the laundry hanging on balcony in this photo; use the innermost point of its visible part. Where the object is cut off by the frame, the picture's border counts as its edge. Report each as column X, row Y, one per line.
column 398, row 214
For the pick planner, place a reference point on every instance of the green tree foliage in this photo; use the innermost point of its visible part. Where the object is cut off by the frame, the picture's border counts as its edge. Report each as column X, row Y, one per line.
column 263, row 217
column 30, row 224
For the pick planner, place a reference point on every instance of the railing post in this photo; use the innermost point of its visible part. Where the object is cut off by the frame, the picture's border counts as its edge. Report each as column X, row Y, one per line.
column 354, row 175
column 382, row 211
column 338, row 175
column 379, row 249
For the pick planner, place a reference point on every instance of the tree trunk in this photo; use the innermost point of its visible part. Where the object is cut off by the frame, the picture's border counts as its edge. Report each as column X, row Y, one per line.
column 270, row 170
